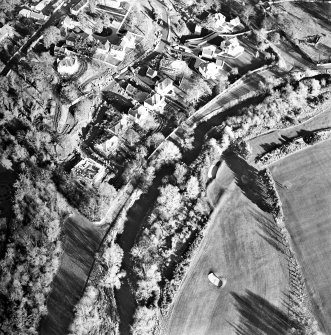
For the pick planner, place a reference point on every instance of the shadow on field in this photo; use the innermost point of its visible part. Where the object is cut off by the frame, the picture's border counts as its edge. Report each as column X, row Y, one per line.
column 270, row 232
column 82, row 240
column 257, row 316
column 249, row 180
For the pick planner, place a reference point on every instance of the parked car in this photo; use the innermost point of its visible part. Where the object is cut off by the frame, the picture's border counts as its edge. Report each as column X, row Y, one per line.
column 217, row 281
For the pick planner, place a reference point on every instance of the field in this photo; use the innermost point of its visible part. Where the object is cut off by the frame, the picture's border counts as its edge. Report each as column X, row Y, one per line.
column 275, row 138
column 301, row 21
column 82, row 240
column 307, row 208
column 235, row 246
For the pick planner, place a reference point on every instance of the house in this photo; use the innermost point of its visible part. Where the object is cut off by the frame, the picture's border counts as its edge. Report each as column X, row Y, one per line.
column 103, row 48
column 165, row 86
column 6, row 31
column 68, row 65
column 79, row 7
column 219, row 19
column 123, row 123
column 115, row 24
column 208, row 52
column 151, row 73
column 117, row 52
column 109, row 3
column 211, row 70
column 139, row 114
column 109, row 146
column 197, row 29
column 41, row 5
column 232, row 47
column 128, row 41
column 235, row 22
column 30, row 14
column 155, row 102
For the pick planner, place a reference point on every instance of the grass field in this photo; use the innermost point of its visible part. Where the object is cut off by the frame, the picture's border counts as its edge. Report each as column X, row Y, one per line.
column 267, row 141
column 234, row 246
column 307, row 209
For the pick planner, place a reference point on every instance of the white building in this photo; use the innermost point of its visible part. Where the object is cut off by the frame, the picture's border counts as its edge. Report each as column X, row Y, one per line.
column 128, row 41
column 109, row 146
column 29, row 14
column 117, row 52
column 165, row 86
column 208, row 51
column 211, row 70
column 109, row 3
column 68, row 65
column 219, row 20
column 232, row 47
column 155, row 102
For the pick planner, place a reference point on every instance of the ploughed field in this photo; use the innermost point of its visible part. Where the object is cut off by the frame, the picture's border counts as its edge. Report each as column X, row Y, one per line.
column 234, row 246
column 306, row 200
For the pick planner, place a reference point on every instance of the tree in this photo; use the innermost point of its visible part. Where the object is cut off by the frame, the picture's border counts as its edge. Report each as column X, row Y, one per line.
column 199, row 89
column 168, row 154
column 193, row 187
column 241, row 148
column 144, row 321
column 169, row 201
column 247, row 12
column 181, row 68
column 180, row 172
column 155, row 139
column 52, row 35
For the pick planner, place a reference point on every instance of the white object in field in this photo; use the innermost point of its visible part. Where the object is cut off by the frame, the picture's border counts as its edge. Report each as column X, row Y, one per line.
column 217, row 281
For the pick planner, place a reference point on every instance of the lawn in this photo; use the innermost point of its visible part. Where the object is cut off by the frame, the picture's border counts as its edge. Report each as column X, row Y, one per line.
column 306, row 200
column 236, row 247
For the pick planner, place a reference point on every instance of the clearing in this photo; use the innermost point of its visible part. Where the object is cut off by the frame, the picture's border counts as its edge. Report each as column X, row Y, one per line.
column 306, row 199
column 234, row 246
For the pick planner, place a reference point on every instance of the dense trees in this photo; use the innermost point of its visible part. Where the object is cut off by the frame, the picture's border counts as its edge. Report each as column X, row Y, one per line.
column 33, row 253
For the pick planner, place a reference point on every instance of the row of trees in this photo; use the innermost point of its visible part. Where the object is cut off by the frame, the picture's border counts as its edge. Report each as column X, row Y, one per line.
column 179, row 214
column 95, row 313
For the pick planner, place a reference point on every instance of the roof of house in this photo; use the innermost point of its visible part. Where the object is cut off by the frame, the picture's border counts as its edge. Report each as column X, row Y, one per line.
column 154, row 99
column 151, row 72
column 165, row 83
column 79, row 5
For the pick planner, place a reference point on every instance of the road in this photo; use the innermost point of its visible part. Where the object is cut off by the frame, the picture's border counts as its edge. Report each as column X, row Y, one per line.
column 52, row 21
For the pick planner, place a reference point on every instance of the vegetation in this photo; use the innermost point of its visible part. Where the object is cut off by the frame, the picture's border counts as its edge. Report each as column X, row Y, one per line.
column 33, row 252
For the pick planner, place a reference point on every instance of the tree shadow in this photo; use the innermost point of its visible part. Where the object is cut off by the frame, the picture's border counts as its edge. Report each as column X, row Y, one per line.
column 249, row 180
column 257, row 316
column 270, row 232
